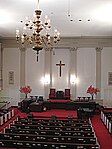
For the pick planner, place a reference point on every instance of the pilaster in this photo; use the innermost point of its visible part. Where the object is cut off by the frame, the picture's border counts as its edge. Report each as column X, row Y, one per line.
column 98, row 70
column 48, row 71
column 73, row 71
column 22, row 66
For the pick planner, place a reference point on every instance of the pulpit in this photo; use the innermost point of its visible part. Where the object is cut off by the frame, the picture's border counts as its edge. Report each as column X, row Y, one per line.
column 25, row 104
column 36, row 107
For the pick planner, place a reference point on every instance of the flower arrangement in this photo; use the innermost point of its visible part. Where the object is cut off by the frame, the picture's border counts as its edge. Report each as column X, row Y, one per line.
column 25, row 90
column 92, row 91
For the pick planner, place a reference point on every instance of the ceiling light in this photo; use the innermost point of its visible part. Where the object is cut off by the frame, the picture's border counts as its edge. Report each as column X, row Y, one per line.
column 32, row 32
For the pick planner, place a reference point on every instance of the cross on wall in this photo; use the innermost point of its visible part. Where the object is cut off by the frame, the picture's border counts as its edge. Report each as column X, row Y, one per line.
column 60, row 65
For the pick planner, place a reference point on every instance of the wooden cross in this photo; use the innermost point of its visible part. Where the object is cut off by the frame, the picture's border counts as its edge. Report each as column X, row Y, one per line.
column 60, row 65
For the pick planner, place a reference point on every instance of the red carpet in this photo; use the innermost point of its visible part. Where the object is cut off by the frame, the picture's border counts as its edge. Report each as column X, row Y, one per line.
column 57, row 112
column 103, row 136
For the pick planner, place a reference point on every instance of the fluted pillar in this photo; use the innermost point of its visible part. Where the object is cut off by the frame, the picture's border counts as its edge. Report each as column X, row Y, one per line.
column 48, row 72
column 1, row 66
column 22, row 66
column 73, row 71
column 98, row 71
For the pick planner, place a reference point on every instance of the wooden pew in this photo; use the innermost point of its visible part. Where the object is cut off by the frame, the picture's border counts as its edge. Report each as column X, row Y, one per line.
column 83, row 128
column 34, row 145
column 48, row 138
column 50, row 132
column 51, row 123
column 53, row 133
column 106, row 117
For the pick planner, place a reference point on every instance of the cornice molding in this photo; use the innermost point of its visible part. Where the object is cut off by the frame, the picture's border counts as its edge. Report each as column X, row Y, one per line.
column 68, row 42
column 73, row 49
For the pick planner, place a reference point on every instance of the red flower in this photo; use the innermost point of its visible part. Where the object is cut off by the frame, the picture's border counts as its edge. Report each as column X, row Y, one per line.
column 96, row 90
column 91, row 90
column 25, row 89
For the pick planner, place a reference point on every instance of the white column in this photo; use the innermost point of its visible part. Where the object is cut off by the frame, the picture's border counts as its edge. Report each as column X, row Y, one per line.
column 48, row 72
column 51, row 53
column 1, row 66
column 22, row 67
column 73, row 71
column 98, row 71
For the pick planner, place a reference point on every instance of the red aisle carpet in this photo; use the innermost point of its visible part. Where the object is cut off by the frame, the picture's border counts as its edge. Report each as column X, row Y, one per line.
column 103, row 136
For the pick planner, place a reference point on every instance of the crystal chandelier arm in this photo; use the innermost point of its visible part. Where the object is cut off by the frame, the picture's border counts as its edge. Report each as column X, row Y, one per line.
column 17, row 35
column 32, row 30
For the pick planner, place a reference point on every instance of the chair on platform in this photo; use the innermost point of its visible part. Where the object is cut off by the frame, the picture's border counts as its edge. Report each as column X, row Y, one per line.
column 52, row 94
column 67, row 94
column 60, row 95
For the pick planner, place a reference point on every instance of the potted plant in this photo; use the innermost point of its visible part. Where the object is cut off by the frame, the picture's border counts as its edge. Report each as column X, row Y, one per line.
column 25, row 90
column 92, row 91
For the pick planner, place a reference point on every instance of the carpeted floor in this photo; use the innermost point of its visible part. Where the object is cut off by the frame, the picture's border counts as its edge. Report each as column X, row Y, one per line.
column 103, row 136
column 57, row 112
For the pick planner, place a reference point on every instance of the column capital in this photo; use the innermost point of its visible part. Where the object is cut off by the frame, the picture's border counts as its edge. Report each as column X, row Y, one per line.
column 73, row 48
column 98, row 49
column 22, row 49
column 48, row 48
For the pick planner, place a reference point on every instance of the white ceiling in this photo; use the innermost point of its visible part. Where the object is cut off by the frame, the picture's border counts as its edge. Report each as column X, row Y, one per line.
column 61, row 12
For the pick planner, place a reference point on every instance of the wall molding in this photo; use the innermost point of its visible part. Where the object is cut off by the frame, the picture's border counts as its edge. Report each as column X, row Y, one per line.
column 67, row 42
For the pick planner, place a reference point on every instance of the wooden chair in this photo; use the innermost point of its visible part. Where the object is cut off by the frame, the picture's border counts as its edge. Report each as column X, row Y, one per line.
column 67, row 94
column 52, row 94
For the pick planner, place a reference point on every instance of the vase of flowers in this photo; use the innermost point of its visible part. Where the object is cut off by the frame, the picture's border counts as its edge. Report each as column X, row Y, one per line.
column 92, row 91
column 25, row 90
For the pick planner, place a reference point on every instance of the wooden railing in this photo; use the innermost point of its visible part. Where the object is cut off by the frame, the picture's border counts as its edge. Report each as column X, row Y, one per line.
column 4, row 104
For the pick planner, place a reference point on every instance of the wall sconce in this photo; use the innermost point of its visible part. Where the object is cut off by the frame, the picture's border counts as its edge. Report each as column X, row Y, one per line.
column 73, row 79
column 45, row 80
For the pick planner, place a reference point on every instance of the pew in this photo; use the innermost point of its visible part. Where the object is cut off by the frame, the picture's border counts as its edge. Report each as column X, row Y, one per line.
column 50, row 132
column 41, row 133
column 34, row 145
column 106, row 117
column 5, row 115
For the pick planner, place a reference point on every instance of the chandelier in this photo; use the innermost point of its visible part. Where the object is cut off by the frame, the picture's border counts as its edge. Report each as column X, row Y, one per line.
column 32, row 32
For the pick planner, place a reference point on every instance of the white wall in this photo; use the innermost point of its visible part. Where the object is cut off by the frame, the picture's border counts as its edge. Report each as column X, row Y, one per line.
column 86, row 63
column 35, row 71
column 11, row 63
column 63, row 55
column 85, row 70
column 106, row 67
